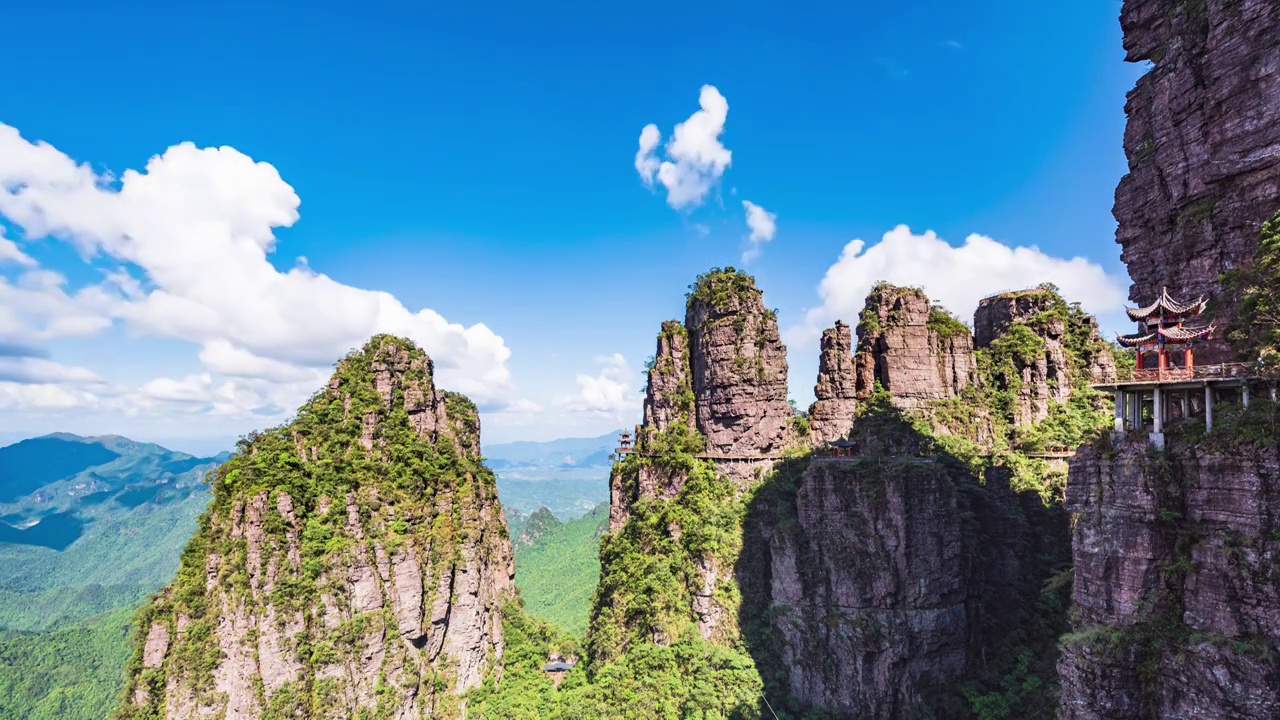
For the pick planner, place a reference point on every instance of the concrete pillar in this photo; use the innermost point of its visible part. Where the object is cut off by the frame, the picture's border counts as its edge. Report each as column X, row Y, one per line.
column 1244, row 394
column 1138, row 401
column 1273, row 392
column 1157, row 410
column 1186, row 404
column 1208, row 407
column 1120, row 410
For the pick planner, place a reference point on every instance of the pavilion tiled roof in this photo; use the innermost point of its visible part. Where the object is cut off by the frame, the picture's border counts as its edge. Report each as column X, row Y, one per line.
column 1135, row 340
column 1175, row 334
column 1166, row 305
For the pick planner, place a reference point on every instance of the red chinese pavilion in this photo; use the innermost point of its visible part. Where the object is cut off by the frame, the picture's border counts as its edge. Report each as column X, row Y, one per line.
column 624, row 444
column 1162, row 330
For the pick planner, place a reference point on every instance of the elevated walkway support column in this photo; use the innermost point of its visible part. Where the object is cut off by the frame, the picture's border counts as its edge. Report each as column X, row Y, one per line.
column 1120, row 398
column 1157, row 417
column 1208, row 407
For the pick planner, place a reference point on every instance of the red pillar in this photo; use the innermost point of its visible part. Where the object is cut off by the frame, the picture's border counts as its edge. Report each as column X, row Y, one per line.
column 1191, row 363
column 1139, row 360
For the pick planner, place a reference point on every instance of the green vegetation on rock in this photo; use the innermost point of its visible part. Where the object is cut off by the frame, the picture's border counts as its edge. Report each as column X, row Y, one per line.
column 1254, row 329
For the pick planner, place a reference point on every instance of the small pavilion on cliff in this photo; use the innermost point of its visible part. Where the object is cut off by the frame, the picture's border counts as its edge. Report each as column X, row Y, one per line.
column 1166, row 374
column 1162, row 331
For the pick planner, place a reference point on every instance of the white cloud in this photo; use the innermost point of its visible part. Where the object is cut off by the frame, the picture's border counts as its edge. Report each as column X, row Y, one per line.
column 647, row 162
column 10, row 253
column 957, row 277
column 36, row 307
column 613, row 391
column 763, row 225
column 42, row 397
column 695, row 158
column 199, row 225
column 36, row 370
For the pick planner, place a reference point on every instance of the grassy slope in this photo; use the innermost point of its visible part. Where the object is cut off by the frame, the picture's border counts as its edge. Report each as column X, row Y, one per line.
column 558, row 573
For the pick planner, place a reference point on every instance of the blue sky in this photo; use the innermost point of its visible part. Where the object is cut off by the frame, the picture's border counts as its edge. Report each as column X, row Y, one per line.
column 479, row 160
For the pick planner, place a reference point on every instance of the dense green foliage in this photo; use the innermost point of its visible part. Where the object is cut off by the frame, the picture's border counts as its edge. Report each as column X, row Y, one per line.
column 1254, row 329
column 946, row 325
column 66, row 612
column 72, row 673
column 557, row 572
column 721, row 289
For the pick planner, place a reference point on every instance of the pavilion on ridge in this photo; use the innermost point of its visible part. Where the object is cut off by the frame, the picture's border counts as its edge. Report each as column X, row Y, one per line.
column 1166, row 374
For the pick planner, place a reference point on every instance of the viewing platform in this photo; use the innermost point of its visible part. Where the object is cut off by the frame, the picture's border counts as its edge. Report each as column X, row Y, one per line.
column 1166, row 331
column 1152, row 395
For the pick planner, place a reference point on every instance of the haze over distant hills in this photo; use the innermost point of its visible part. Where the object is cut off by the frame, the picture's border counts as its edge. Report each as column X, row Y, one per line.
column 569, row 476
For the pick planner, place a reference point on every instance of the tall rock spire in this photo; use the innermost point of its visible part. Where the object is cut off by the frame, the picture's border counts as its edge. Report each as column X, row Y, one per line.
column 831, row 415
column 739, row 366
column 351, row 562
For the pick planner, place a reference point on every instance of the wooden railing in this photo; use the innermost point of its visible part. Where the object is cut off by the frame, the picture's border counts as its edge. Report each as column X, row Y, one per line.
column 1223, row 371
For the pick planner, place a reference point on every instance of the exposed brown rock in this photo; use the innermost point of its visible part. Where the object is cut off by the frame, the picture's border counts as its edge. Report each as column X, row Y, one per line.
column 1176, row 594
column 669, row 392
column 1202, row 141
column 738, row 368
column 1048, row 377
column 898, row 349
column 831, row 414
column 889, row 578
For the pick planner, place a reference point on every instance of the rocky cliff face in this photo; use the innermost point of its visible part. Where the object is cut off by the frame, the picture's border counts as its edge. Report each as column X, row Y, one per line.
column 1202, row 142
column 716, row 419
column 836, row 393
column 917, row 360
column 875, row 587
column 1175, row 584
column 1176, row 588
column 739, row 367
column 1046, row 366
column 351, row 564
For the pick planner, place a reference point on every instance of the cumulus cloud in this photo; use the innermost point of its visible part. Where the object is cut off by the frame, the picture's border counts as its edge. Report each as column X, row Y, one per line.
column 199, row 225
column 763, row 225
column 957, row 277
column 612, row 391
column 694, row 157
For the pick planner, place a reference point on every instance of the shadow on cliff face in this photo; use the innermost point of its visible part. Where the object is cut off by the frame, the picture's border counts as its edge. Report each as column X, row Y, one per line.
column 895, row 584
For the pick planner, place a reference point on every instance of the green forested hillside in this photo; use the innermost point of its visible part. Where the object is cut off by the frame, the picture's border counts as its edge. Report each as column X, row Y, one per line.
column 88, row 528
column 557, row 573
column 72, row 673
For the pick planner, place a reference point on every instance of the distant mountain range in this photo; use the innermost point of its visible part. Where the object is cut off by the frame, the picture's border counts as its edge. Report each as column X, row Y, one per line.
column 569, row 476
column 89, row 526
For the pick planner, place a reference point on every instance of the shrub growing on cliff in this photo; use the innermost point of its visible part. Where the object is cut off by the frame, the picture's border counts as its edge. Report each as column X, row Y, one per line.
column 946, row 325
column 1254, row 329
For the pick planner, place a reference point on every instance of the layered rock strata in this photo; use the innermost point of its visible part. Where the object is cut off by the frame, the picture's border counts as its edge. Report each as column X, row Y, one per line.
column 907, row 355
column 738, row 367
column 1202, row 142
column 716, row 394
column 352, row 563
column 1176, row 587
column 874, row 587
